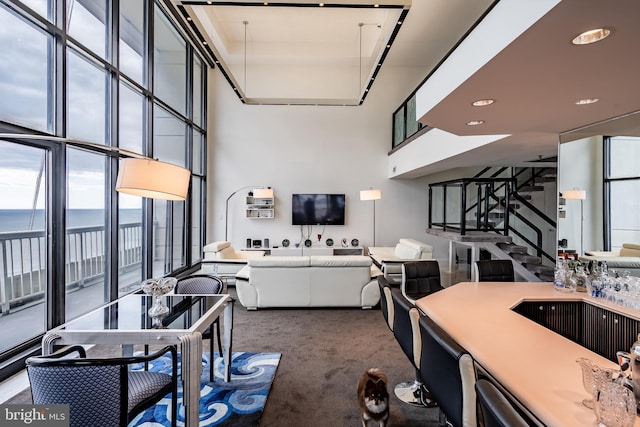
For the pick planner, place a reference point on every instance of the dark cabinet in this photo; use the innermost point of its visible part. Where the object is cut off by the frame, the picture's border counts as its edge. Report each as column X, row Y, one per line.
column 600, row 330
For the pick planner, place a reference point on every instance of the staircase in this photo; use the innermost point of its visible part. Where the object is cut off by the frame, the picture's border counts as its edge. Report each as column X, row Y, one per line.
column 503, row 201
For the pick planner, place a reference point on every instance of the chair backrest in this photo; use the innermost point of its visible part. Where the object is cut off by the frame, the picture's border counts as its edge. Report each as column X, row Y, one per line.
column 496, row 410
column 95, row 394
column 405, row 326
column 420, row 279
column 495, row 270
column 199, row 284
column 448, row 372
column 386, row 303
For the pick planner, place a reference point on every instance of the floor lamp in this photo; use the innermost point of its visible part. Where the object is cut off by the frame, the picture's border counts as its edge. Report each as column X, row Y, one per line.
column 372, row 194
column 258, row 192
column 581, row 195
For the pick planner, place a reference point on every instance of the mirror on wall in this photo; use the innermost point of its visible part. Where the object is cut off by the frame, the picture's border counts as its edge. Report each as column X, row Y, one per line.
column 599, row 187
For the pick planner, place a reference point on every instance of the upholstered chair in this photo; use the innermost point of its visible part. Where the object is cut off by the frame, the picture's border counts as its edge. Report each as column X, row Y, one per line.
column 419, row 279
column 204, row 284
column 448, row 372
column 407, row 333
column 101, row 392
column 496, row 410
column 386, row 303
column 494, row 270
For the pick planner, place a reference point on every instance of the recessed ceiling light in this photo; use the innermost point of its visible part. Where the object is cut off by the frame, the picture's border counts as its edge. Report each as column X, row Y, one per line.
column 587, row 101
column 591, row 36
column 475, row 122
column 321, row 4
column 188, row 18
column 483, row 102
column 376, row 5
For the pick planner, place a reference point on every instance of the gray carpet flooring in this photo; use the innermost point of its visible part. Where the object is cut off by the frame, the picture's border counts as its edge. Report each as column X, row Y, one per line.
column 324, row 352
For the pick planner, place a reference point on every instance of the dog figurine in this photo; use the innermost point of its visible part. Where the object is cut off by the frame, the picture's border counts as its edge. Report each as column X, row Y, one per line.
column 373, row 397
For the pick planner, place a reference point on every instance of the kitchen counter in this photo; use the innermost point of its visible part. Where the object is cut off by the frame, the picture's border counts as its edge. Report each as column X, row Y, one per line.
column 537, row 366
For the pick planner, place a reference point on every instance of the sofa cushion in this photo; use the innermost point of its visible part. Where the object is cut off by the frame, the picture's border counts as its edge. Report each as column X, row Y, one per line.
column 631, row 246
column 217, row 246
column 227, row 253
column 629, row 252
column 416, row 246
column 405, row 252
column 280, row 261
column 340, row 261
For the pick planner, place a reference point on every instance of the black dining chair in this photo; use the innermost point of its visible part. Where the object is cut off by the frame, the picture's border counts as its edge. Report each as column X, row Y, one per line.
column 448, row 371
column 386, row 304
column 419, row 279
column 204, row 284
column 495, row 270
column 495, row 409
column 101, row 391
column 407, row 332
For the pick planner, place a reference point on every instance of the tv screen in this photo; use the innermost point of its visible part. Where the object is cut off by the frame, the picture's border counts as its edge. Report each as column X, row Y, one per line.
column 318, row 209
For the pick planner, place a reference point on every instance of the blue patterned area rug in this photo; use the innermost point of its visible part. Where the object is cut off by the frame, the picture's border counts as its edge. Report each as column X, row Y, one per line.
column 238, row 403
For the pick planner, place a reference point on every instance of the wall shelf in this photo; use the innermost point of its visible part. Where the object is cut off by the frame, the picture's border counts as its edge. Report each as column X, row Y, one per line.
column 260, row 208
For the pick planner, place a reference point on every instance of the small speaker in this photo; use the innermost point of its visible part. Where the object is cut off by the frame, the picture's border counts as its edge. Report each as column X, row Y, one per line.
column 248, row 243
column 257, row 243
column 266, row 243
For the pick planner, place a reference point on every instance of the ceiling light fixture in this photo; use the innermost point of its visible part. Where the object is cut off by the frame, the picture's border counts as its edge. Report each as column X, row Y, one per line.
column 483, row 102
column 591, row 36
column 587, row 101
column 475, row 122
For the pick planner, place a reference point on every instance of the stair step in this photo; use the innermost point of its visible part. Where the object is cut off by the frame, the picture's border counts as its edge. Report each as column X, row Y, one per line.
column 512, row 248
column 526, row 258
column 526, row 196
column 529, row 188
column 539, row 268
column 544, row 178
column 545, row 277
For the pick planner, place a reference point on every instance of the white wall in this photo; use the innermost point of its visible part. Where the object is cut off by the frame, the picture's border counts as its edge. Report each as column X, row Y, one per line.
column 306, row 149
column 580, row 165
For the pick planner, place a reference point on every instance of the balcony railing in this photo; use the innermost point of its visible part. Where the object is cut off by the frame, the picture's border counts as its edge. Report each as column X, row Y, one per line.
column 23, row 261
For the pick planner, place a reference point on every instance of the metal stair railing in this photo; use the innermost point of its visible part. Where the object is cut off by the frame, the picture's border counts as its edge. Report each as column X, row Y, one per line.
column 502, row 191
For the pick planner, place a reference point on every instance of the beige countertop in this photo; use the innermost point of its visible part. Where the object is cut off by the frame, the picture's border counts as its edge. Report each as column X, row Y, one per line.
column 535, row 364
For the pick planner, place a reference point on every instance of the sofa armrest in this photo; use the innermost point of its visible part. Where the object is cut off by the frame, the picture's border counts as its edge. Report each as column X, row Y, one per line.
column 244, row 273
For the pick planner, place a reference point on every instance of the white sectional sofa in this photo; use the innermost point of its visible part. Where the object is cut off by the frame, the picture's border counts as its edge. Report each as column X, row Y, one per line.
column 627, row 258
column 222, row 259
column 308, row 281
column 390, row 259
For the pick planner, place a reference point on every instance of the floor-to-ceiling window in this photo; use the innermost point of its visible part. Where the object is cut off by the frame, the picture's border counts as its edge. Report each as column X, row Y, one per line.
column 65, row 77
column 622, row 191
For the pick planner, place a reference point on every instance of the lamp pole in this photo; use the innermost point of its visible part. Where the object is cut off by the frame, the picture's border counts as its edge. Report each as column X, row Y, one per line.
column 226, row 209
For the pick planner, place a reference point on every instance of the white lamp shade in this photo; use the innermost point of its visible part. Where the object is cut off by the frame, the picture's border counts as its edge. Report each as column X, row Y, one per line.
column 372, row 194
column 153, row 179
column 263, row 193
column 574, row 194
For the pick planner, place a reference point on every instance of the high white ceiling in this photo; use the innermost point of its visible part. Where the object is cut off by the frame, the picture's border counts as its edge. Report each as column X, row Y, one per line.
column 535, row 79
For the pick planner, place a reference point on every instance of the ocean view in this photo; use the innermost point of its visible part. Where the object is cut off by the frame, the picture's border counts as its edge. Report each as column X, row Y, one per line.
column 18, row 219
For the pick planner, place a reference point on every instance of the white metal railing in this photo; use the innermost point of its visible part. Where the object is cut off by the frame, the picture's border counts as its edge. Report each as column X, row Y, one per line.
column 23, row 261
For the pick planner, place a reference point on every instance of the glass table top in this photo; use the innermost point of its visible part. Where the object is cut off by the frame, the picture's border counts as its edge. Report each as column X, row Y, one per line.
column 130, row 313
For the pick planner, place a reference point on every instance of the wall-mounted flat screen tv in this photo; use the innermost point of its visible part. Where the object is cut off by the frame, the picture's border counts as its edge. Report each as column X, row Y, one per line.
column 318, row 209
